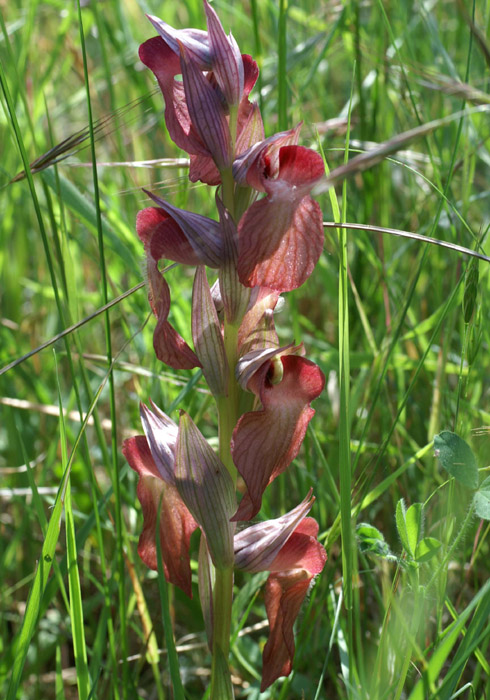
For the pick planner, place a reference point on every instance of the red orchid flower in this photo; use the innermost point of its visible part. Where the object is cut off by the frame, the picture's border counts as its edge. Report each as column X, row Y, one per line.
column 280, row 236
column 181, row 236
column 287, row 547
column 180, row 474
column 152, row 456
column 215, row 78
column 267, row 440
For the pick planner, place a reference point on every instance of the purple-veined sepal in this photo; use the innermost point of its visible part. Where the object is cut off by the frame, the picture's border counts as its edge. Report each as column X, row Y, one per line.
column 202, row 234
column 207, row 489
column 161, row 434
column 206, row 111
column 207, row 336
column 195, row 41
column 226, row 59
column 257, row 546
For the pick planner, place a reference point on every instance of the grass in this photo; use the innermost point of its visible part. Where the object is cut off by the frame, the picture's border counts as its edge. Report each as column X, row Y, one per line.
column 80, row 615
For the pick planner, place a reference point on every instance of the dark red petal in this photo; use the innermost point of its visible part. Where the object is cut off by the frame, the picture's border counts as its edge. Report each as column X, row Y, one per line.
column 258, row 546
column 284, row 596
column 280, row 242
column 176, row 523
column 248, row 168
column 163, row 237
column 250, row 73
column 169, row 346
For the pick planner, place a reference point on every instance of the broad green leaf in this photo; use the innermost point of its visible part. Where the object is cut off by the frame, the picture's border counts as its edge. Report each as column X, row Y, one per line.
column 414, row 524
column 481, row 500
column 457, row 458
column 401, row 526
column 426, row 549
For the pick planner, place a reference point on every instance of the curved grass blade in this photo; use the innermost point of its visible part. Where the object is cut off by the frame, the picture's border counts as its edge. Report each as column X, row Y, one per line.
column 409, row 234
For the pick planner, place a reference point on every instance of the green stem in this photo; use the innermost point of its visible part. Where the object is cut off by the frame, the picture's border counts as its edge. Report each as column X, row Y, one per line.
column 228, row 415
column 228, row 409
column 221, row 685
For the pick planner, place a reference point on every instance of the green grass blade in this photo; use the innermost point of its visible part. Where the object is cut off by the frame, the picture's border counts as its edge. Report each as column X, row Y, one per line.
column 282, row 85
column 444, row 648
column 37, row 589
column 76, row 609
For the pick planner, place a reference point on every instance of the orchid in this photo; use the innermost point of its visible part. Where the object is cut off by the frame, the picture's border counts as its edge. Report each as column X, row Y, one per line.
column 265, row 240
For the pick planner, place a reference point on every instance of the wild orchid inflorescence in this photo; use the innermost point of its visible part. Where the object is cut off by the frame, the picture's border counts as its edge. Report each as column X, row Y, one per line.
column 260, row 247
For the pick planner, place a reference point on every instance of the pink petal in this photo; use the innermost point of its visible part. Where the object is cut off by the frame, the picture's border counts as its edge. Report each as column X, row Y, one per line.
column 284, row 596
column 266, row 441
column 176, row 523
column 165, row 64
column 169, row 346
column 280, row 242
